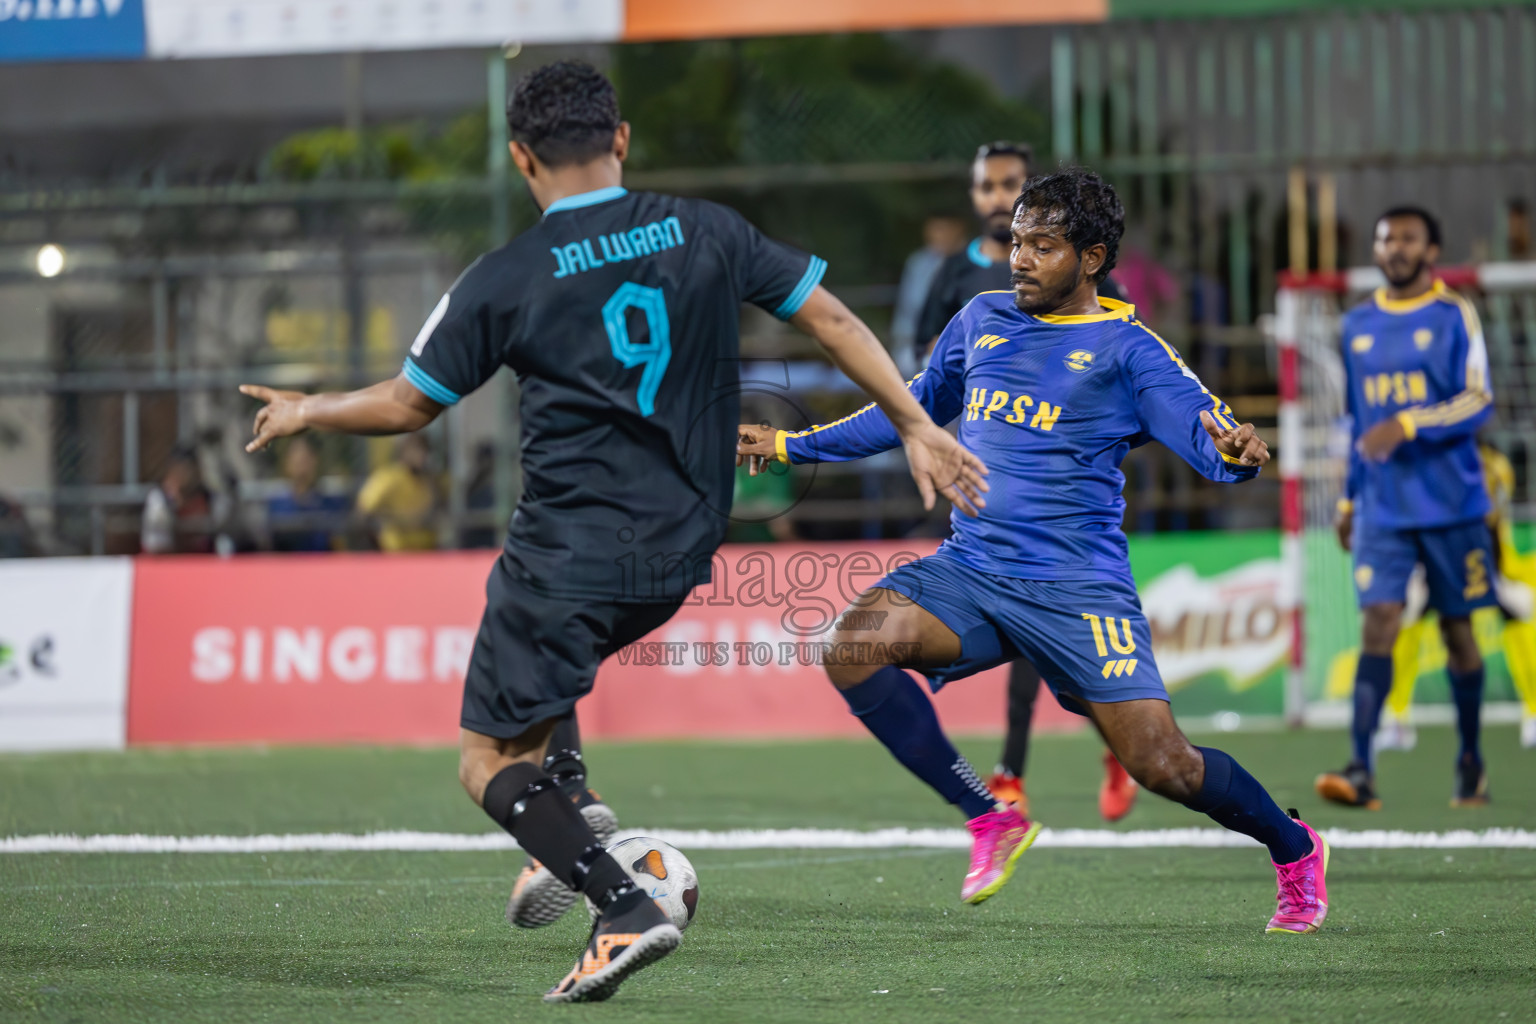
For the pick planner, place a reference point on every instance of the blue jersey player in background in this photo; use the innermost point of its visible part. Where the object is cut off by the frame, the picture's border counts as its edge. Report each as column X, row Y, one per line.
column 1051, row 385
column 1418, row 393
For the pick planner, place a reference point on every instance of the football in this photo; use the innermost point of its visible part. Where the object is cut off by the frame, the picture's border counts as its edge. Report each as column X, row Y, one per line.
column 663, row 873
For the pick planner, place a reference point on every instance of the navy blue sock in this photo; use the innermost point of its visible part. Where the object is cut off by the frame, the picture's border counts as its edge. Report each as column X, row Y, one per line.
column 1235, row 800
column 893, row 707
column 1467, row 692
column 1373, row 681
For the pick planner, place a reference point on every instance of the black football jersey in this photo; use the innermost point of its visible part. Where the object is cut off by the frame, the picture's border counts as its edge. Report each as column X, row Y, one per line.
column 619, row 313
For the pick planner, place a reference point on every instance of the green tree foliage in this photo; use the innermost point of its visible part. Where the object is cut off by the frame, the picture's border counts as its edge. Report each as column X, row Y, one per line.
column 804, row 100
column 807, row 99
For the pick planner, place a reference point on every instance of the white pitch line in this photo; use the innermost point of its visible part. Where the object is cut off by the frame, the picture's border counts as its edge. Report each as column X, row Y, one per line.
column 754, row 839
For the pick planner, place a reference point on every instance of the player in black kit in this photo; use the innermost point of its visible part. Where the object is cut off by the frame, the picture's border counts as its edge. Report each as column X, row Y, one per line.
column 619, row 313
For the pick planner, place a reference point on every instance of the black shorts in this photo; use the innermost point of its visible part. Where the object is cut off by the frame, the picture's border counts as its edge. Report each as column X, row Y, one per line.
column 536, row 654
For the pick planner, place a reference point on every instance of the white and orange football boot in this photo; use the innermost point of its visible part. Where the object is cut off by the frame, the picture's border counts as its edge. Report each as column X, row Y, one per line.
column 622, row 942
column 538, row 897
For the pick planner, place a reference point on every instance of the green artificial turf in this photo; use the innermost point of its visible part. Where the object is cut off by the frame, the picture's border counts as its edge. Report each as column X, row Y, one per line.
column 782, row 935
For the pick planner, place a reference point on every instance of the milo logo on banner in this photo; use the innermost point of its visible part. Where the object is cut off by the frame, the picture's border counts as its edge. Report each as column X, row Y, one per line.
column 1219, row 632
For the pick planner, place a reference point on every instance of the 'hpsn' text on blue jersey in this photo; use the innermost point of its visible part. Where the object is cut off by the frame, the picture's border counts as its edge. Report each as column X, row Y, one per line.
column 1051, row 404
column 1423, row 361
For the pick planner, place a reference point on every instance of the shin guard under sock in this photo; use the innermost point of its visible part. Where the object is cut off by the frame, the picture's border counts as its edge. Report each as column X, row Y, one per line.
column 564, row 762
column 526, row 802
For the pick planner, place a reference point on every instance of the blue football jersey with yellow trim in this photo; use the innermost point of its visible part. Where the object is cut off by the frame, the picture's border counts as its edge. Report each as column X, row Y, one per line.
column 1051, row 404
column 1422, row 361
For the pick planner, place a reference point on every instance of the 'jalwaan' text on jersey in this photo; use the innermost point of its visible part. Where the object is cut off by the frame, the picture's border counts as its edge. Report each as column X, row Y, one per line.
column 619, row 312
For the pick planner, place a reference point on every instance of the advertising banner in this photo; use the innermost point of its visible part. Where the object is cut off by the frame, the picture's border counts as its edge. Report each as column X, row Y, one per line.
column 711, row 19
column 373, row 648
column 745, row 654
column 1333, row 631
column 304, row 648
column 1219, row 630
column 63, row 652
column 233, row 28
column 36, row 30
column 39, row 30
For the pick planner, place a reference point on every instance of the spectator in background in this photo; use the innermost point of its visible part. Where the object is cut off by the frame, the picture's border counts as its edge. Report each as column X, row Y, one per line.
column 480, row 499
column 1518, row 221
column 1146, row 283
column 303, row 519
column 401, row 497
column 942, row 237
column 178, row 514
column 16, row 538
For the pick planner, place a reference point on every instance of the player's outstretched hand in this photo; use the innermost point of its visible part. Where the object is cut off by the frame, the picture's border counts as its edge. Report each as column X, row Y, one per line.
column 282, row 416
column 940, row 464
column 755, row 447
column 1241, row 443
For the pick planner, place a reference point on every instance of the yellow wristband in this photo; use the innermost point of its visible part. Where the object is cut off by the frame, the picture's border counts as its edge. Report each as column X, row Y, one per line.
column 1345, row 505
column 1410, row 428
column 781, row 446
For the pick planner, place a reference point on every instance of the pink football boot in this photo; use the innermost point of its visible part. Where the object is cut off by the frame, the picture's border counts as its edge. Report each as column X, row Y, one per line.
column 1303, row 897
column 998, row 839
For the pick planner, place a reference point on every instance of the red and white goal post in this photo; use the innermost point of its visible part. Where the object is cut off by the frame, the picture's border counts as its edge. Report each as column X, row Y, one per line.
column 1313, row 441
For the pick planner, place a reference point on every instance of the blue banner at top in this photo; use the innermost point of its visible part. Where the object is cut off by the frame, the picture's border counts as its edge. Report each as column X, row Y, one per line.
column 71, row 30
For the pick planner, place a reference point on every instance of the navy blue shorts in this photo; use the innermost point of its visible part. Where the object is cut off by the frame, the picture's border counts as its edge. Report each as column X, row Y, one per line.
column 1088, row 638
column 1457, row 560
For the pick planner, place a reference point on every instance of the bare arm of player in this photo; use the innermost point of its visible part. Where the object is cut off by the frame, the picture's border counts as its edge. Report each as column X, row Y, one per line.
column 388, row 407
column 938, row 462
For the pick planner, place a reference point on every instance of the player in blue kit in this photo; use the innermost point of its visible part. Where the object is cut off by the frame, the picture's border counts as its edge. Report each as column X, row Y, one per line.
column 1418, row 392
column 1052, row 386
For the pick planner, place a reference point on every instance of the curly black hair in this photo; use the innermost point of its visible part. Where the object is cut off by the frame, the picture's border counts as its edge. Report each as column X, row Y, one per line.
column 1084, row 205
column 1431, row 225
column 565, row 112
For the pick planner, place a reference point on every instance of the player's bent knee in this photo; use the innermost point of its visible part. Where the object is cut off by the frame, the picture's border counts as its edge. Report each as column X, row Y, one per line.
column 1176, row 775
column 852, row 656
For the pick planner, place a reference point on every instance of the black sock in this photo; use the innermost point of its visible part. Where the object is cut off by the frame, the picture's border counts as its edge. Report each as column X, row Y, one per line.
column 526, row 802
column 564, row 763
column 893, row 707
column 1467, row 692
column 1023, row 687
column 1373, row 681
column 1235, row 800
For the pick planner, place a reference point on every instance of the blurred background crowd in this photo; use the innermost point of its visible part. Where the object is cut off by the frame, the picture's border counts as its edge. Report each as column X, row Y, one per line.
column 172, row 229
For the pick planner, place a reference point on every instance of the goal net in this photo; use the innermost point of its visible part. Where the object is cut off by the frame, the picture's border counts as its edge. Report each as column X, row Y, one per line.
column 1313, row 441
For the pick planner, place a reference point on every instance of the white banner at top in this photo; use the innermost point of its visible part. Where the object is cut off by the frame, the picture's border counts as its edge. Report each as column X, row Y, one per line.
column 236, row 28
